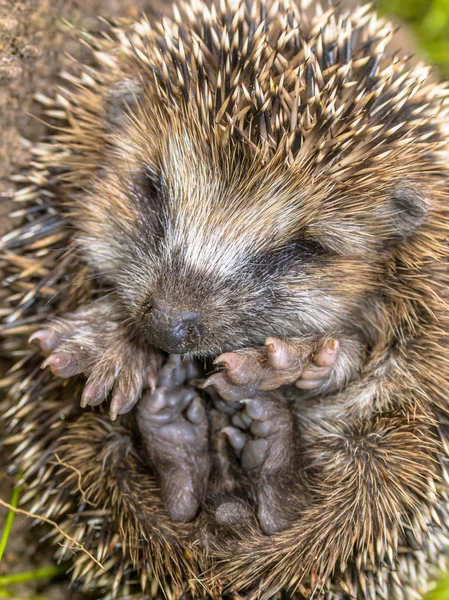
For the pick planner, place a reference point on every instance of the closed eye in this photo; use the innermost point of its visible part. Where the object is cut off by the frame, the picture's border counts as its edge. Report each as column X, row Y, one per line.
column 306, row 247
column 151, row 189
column 150, row 208
column 280, row 260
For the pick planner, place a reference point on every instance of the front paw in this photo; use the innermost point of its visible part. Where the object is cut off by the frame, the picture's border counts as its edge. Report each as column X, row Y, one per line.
column 86, row 343
column 305, row 363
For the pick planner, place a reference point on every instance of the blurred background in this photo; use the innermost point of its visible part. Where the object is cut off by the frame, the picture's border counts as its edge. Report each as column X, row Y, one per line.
column 32, row 45
column 429, row 23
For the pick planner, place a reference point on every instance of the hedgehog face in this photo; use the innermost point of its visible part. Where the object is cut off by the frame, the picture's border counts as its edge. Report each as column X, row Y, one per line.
column 212, row 246
column 217, row 250
column 233, row 195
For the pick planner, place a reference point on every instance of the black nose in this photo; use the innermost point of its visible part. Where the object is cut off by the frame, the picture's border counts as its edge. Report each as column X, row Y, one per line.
column 173, row 330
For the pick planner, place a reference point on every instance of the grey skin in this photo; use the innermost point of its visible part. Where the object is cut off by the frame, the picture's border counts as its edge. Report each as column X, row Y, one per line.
column 175, row 430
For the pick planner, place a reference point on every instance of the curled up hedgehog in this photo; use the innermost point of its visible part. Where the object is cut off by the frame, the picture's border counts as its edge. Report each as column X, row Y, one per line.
column 234, row 245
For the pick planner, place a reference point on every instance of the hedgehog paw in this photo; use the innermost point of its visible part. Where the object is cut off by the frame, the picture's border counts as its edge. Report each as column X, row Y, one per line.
column 126, row 374
column 280, row 362
column 262, row 437
column 84, row 342
column 174, row 428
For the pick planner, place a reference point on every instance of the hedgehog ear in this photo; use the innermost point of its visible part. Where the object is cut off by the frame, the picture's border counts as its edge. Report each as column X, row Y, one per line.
column 122, row 97
column 397, row 216
column 407, row 211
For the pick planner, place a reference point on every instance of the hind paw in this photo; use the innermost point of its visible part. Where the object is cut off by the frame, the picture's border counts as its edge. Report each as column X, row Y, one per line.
column 281, row 361
column 88, row 342
column 262, row 437
column 174, row 428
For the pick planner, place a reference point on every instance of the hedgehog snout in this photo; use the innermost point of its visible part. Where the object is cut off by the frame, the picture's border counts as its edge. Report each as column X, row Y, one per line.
column 172, row 329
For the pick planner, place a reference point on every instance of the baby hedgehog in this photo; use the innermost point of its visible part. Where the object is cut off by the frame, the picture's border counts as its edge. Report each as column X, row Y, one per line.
column 264, row 185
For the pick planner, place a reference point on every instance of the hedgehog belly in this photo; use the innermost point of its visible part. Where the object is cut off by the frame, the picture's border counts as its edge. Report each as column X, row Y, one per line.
column 289, row 161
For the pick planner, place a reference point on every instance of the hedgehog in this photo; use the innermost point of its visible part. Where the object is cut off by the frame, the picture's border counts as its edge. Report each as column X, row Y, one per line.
column 258, row 185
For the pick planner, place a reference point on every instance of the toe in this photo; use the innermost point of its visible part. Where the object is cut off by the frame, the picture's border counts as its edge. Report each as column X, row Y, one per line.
column 228, row 408
column 241, row 420
column 242, row 368
column 62, row 364
column 280, row 355
column 314, row 373
column 258, row 409
column 127, row 393
column 327, row 356
column 236, row 438
column 253, row 454
column 151, row 379
column 269, row 520
column 195, row 412
column 93, row 395
column 309, row 384
column 227, row 389
column 157, row 401
column 120, row 404
column 177, row 399
column 156, row 408
column 171, row 374
column 151, row 372
column 180, row 498
column 262, row 429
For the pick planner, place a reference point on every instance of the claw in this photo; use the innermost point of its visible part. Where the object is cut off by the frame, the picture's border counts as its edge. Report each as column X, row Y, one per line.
column 151, row 380
column 215, row 379
column 93, row 395
column 227, row 389
column 120, row 405
column 45, row 339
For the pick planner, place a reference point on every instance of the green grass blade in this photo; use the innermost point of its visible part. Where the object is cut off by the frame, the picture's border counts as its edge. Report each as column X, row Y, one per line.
column 43, row 573
column 9, row 521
